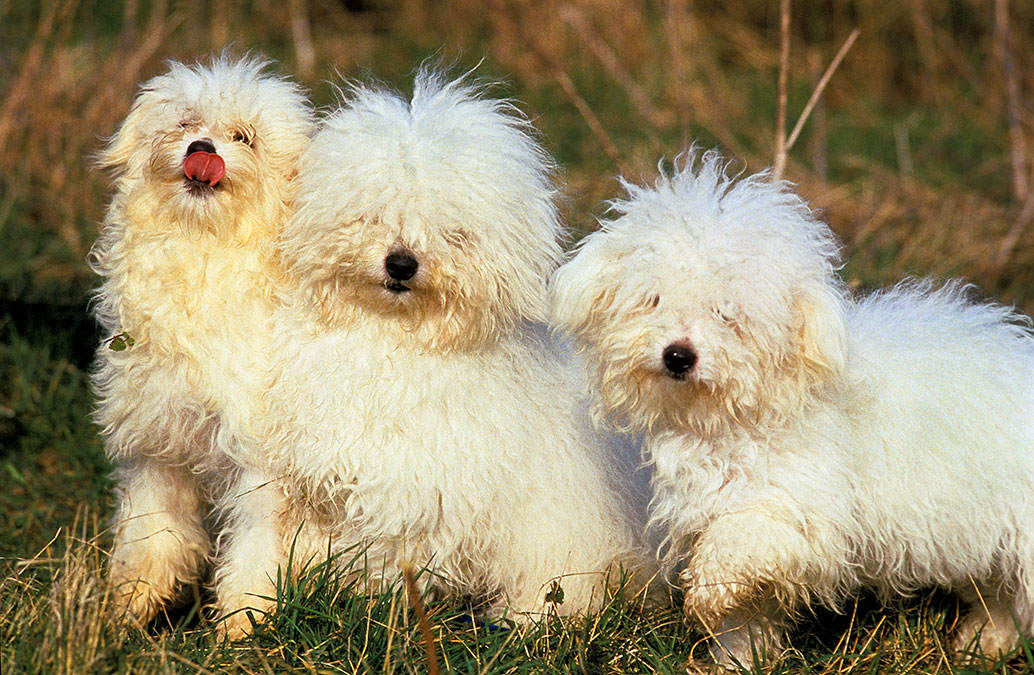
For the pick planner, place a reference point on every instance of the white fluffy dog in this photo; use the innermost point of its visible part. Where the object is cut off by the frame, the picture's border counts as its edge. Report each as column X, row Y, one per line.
column 422, row 413
column 806, row 444
column 204, row 167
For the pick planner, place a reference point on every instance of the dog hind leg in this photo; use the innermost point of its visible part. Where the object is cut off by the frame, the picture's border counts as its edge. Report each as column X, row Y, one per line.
column 988, row 623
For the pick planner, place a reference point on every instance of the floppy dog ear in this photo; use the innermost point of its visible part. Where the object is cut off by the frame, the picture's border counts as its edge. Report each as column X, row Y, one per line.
column 822, row 330
column 576, row 293
column 116, row 155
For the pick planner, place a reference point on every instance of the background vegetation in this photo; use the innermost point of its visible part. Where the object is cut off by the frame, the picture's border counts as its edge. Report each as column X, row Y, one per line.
column 919, row 155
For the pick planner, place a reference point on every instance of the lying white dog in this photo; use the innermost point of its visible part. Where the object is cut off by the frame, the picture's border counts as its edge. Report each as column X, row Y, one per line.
column 421, row 414
column 806, row 444
column 204, row 167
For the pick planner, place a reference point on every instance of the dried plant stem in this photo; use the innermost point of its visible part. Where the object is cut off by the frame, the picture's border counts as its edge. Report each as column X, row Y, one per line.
column 129, row 22
column 391, row 633
column 901, row 145
column 567, row 84
column 413, row 593
column 930, row 57
column 679, row 30
column 784, row 143
column 1012, row 91
column 612, row 64
column 26, row 77
column 301, row 35
column 125, row 71
column 820, row 135
column 219, row 32
column 784, row 68
column 592, row 121
column 821, row 87
column 1012, row 238
column 119, row 75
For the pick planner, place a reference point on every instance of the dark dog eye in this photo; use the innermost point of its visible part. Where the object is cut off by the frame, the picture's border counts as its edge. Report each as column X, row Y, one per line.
column 724, row 314
column 653, row 301
column 241, row 136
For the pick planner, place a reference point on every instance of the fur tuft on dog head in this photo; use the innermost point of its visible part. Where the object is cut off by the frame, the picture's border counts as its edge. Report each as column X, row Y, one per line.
column 707, row 298
column 249, row 128
column 436, row 216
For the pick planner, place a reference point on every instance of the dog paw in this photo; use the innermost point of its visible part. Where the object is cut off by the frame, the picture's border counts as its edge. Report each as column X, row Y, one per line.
column 239, row 614
column 709, row 597
column 979, row 635
column 237, row 626
column 137, row 601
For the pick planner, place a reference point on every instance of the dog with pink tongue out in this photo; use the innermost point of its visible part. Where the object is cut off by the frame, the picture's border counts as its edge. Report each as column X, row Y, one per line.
column 203, row 165
column 204, row 169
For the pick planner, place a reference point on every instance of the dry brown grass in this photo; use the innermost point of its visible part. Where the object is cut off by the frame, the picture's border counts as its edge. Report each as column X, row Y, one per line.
column 895, row 220
column 63, row 588
column 615, row 86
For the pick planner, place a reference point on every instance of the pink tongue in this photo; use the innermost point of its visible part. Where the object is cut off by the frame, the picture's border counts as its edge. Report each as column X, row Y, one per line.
column 206, row 167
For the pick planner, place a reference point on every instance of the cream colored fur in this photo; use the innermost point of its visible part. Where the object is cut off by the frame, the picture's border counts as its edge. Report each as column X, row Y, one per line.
column 819, row 443
column 189, row 274
column 433, row 421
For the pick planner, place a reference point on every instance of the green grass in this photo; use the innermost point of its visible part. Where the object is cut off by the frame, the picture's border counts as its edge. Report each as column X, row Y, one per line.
column 52, row 461
column 55, row 608
column 947, row 217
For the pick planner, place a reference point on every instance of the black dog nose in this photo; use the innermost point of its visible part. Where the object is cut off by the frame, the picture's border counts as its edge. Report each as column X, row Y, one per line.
column 679, row 359
column 202, row 145
column 401, row 266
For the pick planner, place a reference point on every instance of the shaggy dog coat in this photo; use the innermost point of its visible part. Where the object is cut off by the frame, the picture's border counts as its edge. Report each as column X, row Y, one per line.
column 204, row 167
column 421, row 413
column 806, row 443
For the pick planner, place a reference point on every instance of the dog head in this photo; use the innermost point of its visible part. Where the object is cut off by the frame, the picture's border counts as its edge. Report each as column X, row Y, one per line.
column 210, row 148
column 707, row 299
column 435, row 216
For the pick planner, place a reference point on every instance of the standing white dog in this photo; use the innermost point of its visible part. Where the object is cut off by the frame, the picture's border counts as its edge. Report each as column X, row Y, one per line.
column 806, row 444
column 421, row 412
column 204, row 167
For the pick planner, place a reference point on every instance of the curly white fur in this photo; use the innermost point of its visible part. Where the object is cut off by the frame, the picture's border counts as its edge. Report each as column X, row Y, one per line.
column 421, row 413
column 189, row 274
column 806, row 444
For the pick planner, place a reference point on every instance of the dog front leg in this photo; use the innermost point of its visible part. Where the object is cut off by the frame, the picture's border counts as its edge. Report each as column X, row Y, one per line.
column 750, row 638
column 160, row 540
column 252, row 553
column 749, row 570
